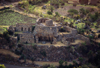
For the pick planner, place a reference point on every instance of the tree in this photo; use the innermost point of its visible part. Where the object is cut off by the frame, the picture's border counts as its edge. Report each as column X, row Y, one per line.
column 75, row 63
column 66, row 63
column 61, row 62
column 90, row 53
column 32, row 59
column 49, row 12
column 25, row 59
column 73, row 11
column 83, row 11
column 57, row 14
column 51, row 8
column 81, row 60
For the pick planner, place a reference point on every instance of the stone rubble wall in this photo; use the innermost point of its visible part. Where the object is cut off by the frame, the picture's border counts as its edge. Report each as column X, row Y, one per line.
column 44, row 30
column 26, row 38
column 81, row 37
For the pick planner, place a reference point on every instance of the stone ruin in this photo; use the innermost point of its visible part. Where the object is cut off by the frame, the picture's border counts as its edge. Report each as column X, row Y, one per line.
column 45, row 30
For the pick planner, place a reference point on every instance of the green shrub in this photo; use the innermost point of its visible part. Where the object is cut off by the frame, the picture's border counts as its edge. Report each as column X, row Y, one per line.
column 6, row 35
column 57, row 14
column 91, row 37
column 51, row 8
column 73, row 11
column 83, row 11
column 62, row 29
column 2, row 66
column 80, row 30
column 33, row 27
column 94, row 17
column 61, row 62
column 49, row 12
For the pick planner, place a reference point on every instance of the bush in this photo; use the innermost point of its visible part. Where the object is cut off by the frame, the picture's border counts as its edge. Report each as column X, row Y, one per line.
column 2, row 66
column 33, row 27
column 57, row 14
column 6, row 36
column 61, row 62
column 51, row 8
column 73, row 11
column 80, row 30
column 49, row 12
column 94, row 17
column 62, row 29
column 10, row 32
column 83, row 11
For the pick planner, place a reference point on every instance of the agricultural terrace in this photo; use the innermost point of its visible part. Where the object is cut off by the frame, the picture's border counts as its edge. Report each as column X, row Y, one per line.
column 8, row 17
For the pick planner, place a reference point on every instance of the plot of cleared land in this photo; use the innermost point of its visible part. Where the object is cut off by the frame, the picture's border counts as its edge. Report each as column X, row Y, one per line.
column 11, row 18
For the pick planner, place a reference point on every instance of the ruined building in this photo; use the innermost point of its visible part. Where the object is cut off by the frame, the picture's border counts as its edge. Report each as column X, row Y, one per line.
column 46, row 30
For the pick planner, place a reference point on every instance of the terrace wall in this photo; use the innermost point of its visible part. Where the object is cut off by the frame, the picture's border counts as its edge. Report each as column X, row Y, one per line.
column 26, row 38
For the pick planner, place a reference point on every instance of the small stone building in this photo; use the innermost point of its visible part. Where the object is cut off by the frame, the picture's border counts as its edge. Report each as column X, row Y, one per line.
column 26, row 38
column 24, row 27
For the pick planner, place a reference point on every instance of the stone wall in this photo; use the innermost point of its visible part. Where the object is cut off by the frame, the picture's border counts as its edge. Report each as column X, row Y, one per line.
column 26, row 38
column 81, row 37
column 41, row 20
column 45, row 30
column 24, row 27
